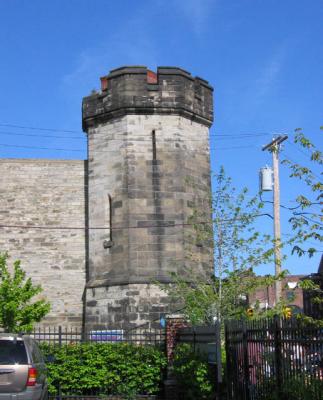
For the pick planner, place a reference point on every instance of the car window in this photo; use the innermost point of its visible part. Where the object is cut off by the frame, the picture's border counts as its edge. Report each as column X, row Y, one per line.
column 12, row 352
column 36, row 354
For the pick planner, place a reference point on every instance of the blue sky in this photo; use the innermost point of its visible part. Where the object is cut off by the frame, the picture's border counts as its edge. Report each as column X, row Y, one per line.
column 264, row 59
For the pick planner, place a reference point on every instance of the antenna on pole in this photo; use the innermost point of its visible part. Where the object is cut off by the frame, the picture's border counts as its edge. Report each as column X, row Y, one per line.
column 274, row 147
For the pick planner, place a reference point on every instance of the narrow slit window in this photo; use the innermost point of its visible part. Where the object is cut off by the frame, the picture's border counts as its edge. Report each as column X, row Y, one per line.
column 110, row 216
column 108, row 242
column 153, row 138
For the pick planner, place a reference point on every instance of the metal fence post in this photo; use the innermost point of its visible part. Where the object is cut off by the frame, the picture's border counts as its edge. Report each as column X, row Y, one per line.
column 60, row 336
column 278, row 355
column 245, row 361
column 218, row 358
column 60, row 345
column 59, row 392
column 218, row 342
column 228, row 367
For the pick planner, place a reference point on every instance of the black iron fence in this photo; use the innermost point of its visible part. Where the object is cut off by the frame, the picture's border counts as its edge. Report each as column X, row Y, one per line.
column 63, row 335
column 274, row 359
column 104, row 363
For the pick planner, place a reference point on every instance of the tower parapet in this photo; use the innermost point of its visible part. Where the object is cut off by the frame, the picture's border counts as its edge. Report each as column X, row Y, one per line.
column 137, row 90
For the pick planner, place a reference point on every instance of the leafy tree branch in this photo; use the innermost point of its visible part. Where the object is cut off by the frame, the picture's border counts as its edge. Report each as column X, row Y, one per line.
column 18, row 310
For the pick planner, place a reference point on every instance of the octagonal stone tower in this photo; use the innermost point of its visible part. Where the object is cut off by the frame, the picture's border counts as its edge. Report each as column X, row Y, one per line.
column 148, row 140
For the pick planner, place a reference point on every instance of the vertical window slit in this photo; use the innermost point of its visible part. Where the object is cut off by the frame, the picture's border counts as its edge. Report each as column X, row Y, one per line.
column 108, row 243
column 110, row 216
column 153, row 138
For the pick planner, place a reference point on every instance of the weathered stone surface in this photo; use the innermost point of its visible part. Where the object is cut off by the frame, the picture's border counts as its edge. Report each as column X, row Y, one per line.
column 127, row 90
column 147, row 231
column 148, row 168
column 115, row 308
column 47, row 193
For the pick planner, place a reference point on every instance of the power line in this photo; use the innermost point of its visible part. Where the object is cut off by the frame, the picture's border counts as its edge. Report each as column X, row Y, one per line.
column 311, row 220
column 301, row 150
column 38, row 148
column 138, row 188
column 165, row 224
column 298, row 149
column 39, row 128
column 76, row 185
column 216, row 136
column 114, row 151
column 244, row 134
column 295, row 163
column 128, row 137
column 6, row 133
column 306, row 241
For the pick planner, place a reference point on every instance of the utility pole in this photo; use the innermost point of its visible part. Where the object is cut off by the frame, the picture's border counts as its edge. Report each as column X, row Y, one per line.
column 274, row 147
column 220, row 270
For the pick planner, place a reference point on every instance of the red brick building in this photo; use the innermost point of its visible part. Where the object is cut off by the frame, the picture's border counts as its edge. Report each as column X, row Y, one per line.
column 290, row 291
column 312, row 308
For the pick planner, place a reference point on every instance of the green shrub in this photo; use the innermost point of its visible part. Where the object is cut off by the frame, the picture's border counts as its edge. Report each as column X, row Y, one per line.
column 19, row 310
column 107, row 368
column 299, row 387
column 193, row 374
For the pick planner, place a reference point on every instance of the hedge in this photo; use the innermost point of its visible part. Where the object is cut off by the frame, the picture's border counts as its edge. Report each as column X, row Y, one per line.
column 104, row 368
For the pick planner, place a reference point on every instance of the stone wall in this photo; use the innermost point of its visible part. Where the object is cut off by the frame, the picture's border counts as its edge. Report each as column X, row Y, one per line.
column 126, row 306
column 152, row 198
column 143, row 168
column 47, row 193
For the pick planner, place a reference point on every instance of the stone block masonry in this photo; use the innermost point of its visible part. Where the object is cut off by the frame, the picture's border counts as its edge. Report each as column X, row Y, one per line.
column 150, row 199
column 125, row 306
column 150, row 203
column 47, row 193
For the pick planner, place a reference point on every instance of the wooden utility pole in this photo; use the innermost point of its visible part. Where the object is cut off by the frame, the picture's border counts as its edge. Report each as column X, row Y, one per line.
column 274, row 147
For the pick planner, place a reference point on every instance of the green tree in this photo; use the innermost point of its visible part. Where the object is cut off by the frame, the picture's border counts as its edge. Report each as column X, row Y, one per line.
column 307, row 216
column 316, row 297
column 18, row 312
column 238, row 249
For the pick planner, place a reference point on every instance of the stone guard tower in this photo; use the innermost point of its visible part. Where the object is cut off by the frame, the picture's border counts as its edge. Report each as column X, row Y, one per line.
column 148, row 136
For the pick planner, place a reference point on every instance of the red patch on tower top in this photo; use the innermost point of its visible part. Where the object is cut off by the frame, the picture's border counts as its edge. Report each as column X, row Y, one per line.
column 104, row 83
column 151, row 77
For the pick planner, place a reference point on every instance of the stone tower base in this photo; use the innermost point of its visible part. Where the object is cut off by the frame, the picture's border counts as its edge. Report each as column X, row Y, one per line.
column 126, row 306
